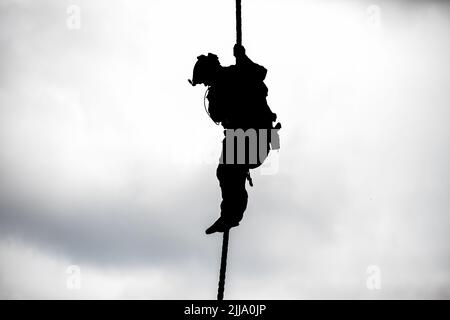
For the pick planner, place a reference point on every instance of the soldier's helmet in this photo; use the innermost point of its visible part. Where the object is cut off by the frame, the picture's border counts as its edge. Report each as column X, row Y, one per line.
column 205, row 69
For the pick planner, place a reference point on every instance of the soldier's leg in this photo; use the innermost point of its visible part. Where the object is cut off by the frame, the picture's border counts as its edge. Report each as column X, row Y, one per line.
column 232, row 180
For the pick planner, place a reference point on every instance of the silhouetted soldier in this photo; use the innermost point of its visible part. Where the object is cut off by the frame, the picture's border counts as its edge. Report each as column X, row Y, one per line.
column 237, row 100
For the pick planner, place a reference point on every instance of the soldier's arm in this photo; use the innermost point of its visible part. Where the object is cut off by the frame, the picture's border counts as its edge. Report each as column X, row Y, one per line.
column 254, row 70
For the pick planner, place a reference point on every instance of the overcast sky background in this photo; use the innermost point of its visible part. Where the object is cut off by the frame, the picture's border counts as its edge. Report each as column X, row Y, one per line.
column 93, row 123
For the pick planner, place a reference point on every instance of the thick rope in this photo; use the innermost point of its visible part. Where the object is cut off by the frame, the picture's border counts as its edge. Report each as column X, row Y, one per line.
column 223, row 265
column 226, row 234
column 238, row 23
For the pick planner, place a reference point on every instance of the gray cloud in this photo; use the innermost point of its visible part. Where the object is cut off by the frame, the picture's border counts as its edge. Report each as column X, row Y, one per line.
column 90, row 121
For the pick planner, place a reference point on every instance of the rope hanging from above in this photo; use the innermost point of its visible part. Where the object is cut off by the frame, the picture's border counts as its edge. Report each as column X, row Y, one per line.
column 223, row 265
column 238, row 23
column 223, row 260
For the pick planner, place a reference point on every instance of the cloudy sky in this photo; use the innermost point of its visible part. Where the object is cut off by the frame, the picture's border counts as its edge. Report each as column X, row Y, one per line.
column 107, row 158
